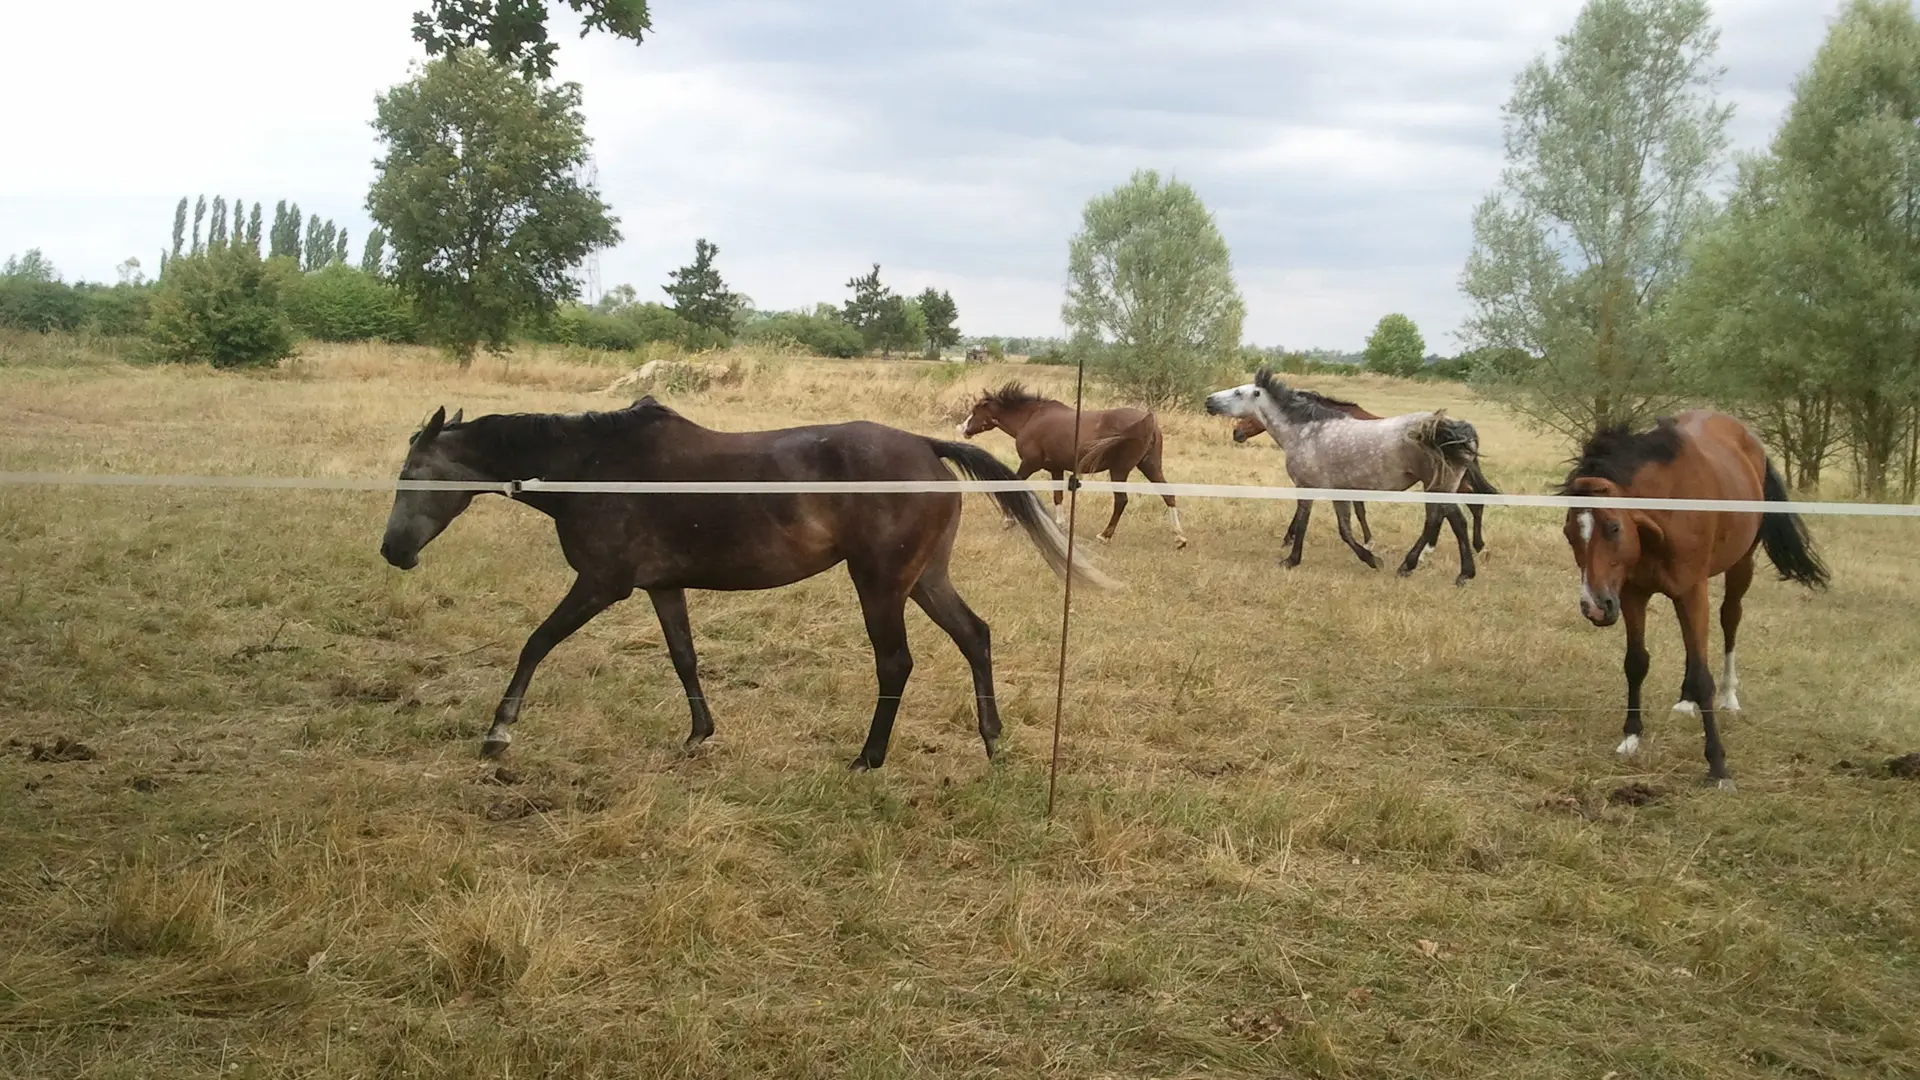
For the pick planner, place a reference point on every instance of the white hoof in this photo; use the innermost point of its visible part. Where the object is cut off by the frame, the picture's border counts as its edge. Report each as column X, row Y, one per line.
column 1628, row 747
column 1687, row 708
column 1723, row 785
column 1728, row 702
column 1179, row 542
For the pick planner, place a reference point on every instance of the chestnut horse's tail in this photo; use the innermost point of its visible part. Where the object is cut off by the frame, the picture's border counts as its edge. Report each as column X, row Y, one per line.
column 1789, row 548
column 1099, row 455
column 1024, row 507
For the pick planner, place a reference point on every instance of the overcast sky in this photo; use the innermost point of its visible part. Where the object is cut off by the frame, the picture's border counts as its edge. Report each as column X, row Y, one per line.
column 1342, row 147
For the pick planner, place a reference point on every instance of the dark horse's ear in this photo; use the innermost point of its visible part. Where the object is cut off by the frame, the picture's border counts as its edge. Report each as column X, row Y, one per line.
column 434, row 423
column 458, row 415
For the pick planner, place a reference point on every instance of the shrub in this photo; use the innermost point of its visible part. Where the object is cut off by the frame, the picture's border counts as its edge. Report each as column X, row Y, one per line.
column 226, row 308
column 341, row 303
column 118, row 310
column 823, row 335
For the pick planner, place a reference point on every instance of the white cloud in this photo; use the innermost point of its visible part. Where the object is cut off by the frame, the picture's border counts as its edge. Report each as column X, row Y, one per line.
column 1341, row 149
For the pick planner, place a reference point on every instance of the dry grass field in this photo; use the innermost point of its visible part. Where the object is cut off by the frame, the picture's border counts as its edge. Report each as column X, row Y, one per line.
column 1324, row 822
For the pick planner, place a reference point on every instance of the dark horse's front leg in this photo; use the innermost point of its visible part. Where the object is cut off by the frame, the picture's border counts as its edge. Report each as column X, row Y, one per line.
column 587, row 598
column 1341, row 512
column 884, row 604
column 671, row 606
column 1297, row 532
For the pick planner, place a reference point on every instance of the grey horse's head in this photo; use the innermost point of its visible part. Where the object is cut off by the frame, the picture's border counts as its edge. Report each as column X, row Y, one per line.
column 434, row 453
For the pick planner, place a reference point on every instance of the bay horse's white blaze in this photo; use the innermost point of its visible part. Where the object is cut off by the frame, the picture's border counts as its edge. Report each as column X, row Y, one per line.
column 1729, row 685
column 1628, row 747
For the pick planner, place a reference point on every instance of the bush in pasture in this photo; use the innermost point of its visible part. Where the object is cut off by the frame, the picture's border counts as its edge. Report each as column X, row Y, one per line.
column 1395, row 347
column 340, row 303
column 226, row 308
column 821, row 333
column 32, row 296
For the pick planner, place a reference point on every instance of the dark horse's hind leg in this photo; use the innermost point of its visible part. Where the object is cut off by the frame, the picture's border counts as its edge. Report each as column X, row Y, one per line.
column 936, row 596
column 671, row 606
column 884, row 605
column 1341, row 513
column 1458, row 522
column 1429, row 535
column 583, row 601
column 1297, row 532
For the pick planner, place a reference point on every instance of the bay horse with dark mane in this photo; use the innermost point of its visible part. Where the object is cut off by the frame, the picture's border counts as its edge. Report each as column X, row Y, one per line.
column 1626, row 556
column 895, row 545
column 1474, row 481
column 1115, row 441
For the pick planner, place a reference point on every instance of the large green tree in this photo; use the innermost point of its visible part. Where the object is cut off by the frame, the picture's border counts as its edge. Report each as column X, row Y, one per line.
column 879, row 313
column 941, row 317
column 179, row 227
column 480, row 196
column 1610, row 150
column 514, row 32
column 1800, row 309
column 1395, row 347
column 1150, row 291
column 700, row 295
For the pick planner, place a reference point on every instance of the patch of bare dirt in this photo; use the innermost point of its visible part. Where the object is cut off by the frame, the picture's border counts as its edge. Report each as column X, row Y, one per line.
column 1636, row 794
column 63, row 749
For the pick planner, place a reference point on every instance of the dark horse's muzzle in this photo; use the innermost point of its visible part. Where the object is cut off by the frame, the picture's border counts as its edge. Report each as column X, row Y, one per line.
column 405, row 560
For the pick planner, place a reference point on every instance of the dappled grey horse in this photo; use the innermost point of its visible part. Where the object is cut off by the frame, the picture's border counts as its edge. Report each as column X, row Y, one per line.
column 1327, row 448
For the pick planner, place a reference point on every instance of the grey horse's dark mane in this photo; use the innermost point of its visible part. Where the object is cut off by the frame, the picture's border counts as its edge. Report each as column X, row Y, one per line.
column 1615, row 454
column 1298, row 406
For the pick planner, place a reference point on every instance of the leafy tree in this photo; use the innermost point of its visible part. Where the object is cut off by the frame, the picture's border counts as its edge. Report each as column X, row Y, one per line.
column 33, row 298
column 373, row 258
column 221, row 307
column 514, row 32
column 199, row 214
column 179, row 226
column 878, row 313
column 253, row 229
column 939, row 314
column 340, row 303
column 701, row 297
column 310, row 257
column 1396, row 347
column 822, row 331
column 479, row 195
column 284, row 242
column 1800, row 306
column 1609, row 152
column 217, row 224
column 1150, row 290
column 340, row 248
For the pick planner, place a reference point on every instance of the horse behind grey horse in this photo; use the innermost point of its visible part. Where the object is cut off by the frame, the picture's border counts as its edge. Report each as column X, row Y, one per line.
column 895, row 545
column 1328, row 448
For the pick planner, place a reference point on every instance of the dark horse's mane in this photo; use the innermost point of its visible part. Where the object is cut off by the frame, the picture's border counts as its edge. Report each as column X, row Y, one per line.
column 1615, row 454
column 1299, row 406
column 1325, row 399
column 1012, row 396
column 511, row 432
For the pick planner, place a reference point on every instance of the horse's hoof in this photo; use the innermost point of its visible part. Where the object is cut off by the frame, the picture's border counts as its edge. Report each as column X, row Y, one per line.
column 1461, row 581
column 1722, row 783
column 1106, row 538
column 694, row 744
column 1405, row 571
column 1179, row 542
column 860, row 765
column 1628, row 747
column 493, row 748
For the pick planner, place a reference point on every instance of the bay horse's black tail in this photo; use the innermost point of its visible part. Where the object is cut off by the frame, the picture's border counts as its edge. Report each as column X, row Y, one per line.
column 1477, row 481
column 1025, row 508
column 1454, row 440
column 1789, row 548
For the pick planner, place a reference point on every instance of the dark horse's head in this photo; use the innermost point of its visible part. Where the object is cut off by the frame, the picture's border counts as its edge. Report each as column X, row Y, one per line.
column 434, row 453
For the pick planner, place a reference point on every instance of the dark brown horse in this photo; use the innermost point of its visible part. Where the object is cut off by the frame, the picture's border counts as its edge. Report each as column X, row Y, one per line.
column 1474, row 481
column 895, row 545
column 1116, row 441
column 1626, row 556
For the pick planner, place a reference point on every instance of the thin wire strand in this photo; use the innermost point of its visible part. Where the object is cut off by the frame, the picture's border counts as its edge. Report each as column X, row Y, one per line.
column 1066, row 601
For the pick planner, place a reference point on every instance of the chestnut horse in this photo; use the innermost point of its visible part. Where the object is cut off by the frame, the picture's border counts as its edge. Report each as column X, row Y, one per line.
column 895, row 545
column 1625, row 556
column 1474, row 481
column 1116, row 441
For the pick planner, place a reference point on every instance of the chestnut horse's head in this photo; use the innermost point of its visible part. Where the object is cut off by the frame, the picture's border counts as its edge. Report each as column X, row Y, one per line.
column 994, row 408
column 1247, row 427
column 1607, row 544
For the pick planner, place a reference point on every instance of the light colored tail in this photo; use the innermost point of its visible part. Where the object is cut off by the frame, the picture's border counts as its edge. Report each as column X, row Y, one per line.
column 1025, row 508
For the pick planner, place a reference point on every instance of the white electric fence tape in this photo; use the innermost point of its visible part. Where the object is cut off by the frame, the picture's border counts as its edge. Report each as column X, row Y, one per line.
column 771, row 487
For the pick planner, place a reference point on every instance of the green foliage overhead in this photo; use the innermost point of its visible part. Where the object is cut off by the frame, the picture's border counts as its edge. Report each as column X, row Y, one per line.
column 1150, row 291
column 514, row 32
column 1396, row 347
column 224, row 308
column 1610, row 149
column 479, row 195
